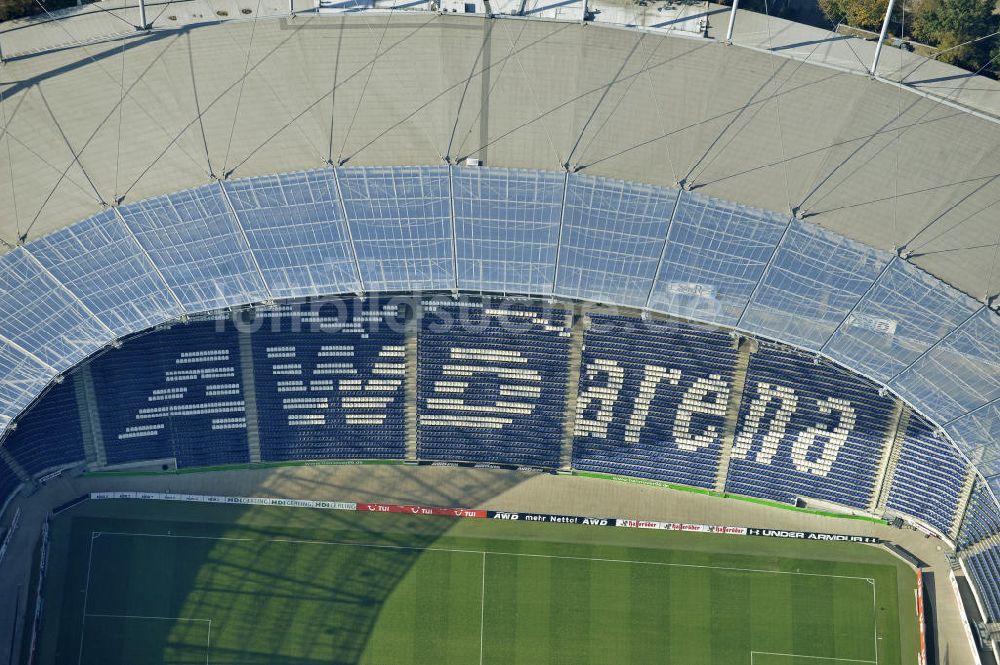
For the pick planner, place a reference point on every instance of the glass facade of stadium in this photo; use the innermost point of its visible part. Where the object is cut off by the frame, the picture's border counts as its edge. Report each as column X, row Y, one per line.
column 546, row 234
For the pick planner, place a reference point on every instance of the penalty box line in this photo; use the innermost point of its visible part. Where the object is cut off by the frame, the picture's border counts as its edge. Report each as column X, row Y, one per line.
column 208, row 638
column 140, row 616
column 293, row 541
column 802, row 655
column 94, row 535
column 820, row 659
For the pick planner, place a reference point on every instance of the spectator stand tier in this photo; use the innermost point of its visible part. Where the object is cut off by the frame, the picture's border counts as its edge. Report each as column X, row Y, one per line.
column 652, row 399
column 174, row 394
column 929, row 476
column 492, row 382
column 330, row 380
column 807, row 428
column 49, row 434
column 982, row 516
column 984, row 567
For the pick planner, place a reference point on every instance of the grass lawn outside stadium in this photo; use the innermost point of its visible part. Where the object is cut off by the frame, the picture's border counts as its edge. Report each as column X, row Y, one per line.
column 144, row 582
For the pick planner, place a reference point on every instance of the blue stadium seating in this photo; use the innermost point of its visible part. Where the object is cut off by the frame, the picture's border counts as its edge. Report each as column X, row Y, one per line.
column 634, row 378
column 176, row 393
column 330, row 381
column 48, row 435
column 929, row 476
column 982, row 516
column 491, row 383
column 984, row 566
column 800, row 461
column 492, row 389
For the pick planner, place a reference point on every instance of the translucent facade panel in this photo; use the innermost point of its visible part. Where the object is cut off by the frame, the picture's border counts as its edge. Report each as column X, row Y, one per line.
column 295, row 228
column 977, row 435
column 612, row 238
column 903, row 315
column 42, row 317
column 814, row 280
column 958, row 375
column 101, row 263
column 507, row 228
column 400, row 219
column 197, row 245
column 716, row 252
column 22, row 379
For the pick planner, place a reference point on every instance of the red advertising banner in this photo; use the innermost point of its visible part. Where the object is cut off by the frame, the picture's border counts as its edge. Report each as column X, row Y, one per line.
column 420, row 510
column 920, row 617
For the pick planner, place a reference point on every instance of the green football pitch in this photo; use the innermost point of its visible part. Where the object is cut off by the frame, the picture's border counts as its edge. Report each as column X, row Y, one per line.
column 138, row 583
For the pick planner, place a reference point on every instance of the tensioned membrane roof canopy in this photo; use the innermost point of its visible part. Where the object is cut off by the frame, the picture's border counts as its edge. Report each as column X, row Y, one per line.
column 132, row 118
column 870, row 168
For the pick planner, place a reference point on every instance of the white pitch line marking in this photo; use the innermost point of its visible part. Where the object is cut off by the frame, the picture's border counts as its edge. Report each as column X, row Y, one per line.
column 802, row 655
column 208, row 641
column 140, row 616
column 86, row 593
column 482, row 611
column 831, row 658
column 875, row 612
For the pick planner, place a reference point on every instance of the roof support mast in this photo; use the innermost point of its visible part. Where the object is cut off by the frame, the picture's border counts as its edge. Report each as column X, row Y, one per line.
column 143, row 25
column 732, row 22
column 881, row 37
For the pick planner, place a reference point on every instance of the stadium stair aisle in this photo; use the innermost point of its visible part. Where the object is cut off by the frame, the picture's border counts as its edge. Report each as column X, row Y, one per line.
column 745, row 347
column 964, row 499
column 249, row 395
column 410, row 386
column 572, row 390
column 982, row 517
column 90, row 424
column 887, row 467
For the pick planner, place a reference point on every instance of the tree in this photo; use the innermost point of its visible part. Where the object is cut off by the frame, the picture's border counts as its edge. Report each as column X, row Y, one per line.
column 952, row 24
column 792, row 10
column 866, row 14
column 10, row 9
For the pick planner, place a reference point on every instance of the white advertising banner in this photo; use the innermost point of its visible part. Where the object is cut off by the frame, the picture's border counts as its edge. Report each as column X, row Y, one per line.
column 681, row 526
column 232, row 500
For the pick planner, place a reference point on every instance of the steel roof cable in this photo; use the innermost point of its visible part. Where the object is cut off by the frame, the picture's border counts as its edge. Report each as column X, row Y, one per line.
column 239, row 95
